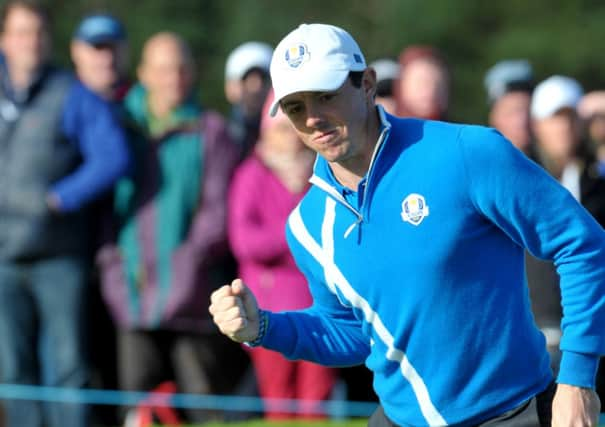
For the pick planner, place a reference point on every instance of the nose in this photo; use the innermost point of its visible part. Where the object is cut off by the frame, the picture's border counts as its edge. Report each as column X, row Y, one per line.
column 106, row 56
column 314, row 114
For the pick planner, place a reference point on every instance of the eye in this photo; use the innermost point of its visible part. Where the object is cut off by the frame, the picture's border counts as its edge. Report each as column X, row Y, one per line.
column 292, row 109
column 325, row 97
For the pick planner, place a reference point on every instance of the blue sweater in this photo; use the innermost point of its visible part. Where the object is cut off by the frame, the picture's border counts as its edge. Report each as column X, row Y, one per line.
column 89, row 123
column 420, row 274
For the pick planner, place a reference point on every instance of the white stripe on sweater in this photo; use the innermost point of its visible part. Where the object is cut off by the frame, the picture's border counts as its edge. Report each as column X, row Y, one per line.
column 324, row 255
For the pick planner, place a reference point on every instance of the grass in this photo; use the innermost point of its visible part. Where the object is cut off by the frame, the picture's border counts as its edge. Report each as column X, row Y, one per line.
column 358, row 422
column 260, row 423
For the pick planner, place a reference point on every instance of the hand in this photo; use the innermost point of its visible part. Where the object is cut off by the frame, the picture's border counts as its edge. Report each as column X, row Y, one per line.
column 575, row 407
column 235, row 311
column 53, row 202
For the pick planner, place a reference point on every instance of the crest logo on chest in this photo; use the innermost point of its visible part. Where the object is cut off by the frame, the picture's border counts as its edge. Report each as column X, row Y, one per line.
column 414, row 209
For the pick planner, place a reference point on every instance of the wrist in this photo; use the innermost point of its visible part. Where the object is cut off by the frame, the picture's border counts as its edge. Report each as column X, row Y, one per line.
column 263, row 325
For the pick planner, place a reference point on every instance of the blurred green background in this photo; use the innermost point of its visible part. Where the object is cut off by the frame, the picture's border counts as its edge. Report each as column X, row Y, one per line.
column 557, row 36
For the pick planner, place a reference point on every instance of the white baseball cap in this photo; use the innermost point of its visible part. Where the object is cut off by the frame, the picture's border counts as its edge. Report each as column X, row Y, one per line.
column 554, row 94
column 247, row 56
column 507, row 76
column 386, row 69
column 313, row 58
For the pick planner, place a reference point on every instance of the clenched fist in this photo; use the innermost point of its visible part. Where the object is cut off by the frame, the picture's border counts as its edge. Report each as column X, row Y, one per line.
column 235, row 311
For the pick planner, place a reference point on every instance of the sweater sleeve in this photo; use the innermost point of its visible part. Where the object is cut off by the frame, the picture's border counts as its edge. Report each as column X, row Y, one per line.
column 90, row 122
column 252, row 237
column 538, row 213
column 327, row 333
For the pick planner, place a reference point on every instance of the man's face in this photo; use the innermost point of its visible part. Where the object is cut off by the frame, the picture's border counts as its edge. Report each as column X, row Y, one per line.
column 25, row 40
column 596, row 129
column 334, row 124
column 559, row 134
column 100, row 67
column 510, row 115
column 424, row 88
column 254, row 87
column 166, row 73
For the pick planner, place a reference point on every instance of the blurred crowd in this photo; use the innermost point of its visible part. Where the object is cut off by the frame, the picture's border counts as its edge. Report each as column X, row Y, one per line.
column 124, row 203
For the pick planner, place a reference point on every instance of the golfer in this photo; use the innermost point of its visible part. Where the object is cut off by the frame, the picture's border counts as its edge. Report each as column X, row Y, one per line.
column 411, row 239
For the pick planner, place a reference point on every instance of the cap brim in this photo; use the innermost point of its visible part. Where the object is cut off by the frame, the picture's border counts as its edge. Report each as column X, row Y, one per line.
column 313, row 81
column 100, row 39
column 273, row 108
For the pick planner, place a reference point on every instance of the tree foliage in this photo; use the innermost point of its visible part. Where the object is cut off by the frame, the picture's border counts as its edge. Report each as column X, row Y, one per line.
column 557, row 36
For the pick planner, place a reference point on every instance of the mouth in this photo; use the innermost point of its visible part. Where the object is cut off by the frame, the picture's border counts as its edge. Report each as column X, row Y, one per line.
column 324, row 137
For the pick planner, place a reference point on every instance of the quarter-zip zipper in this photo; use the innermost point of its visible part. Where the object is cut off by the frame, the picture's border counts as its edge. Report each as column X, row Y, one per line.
column 383, row 135
column 332, row 191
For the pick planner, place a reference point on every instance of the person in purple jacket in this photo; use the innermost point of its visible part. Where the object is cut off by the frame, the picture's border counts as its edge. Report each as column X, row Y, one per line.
column 265, row 189
column 169, row 248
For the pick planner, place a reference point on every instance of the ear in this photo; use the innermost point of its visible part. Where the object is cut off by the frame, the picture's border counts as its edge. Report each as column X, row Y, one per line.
column 368, row 83
column 73, row 51
column 142, row 74
column 2, row 41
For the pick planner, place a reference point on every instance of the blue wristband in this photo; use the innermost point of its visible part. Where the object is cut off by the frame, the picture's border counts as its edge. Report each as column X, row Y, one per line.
column 263, row 324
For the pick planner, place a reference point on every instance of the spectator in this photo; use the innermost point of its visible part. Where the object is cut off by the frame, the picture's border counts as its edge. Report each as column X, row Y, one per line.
column 52, row 166
column 557, row 128
column 170, row 244
column 509, row 85
column 266, row 187
column 387, row 71
column 424, row 84
column 246, row 85
column 592, row 111
column 99, row 51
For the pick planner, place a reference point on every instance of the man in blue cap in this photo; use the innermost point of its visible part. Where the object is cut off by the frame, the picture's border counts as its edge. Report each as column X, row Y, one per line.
column 53, row 166
column 99, row 51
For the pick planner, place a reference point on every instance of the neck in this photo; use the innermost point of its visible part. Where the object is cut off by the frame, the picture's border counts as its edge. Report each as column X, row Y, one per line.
column 21, row 78
column 349, row 172
column 158, row 108
column 556, row 165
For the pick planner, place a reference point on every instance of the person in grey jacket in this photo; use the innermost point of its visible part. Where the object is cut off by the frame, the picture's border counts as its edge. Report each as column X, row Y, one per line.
column 52, row 165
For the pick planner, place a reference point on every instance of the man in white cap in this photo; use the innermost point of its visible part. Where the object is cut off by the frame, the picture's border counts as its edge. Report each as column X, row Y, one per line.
column 246, row 86
column 509, row 85
column 556, row 106
column 411, row 238
column 387, row 72
column 558, row 130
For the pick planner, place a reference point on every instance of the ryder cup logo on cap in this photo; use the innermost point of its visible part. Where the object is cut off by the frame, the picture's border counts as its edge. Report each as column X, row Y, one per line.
column 313, row 58
column 296, row 55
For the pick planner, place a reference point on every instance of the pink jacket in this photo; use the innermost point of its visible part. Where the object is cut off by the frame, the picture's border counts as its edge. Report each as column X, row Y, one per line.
column 259, row 206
